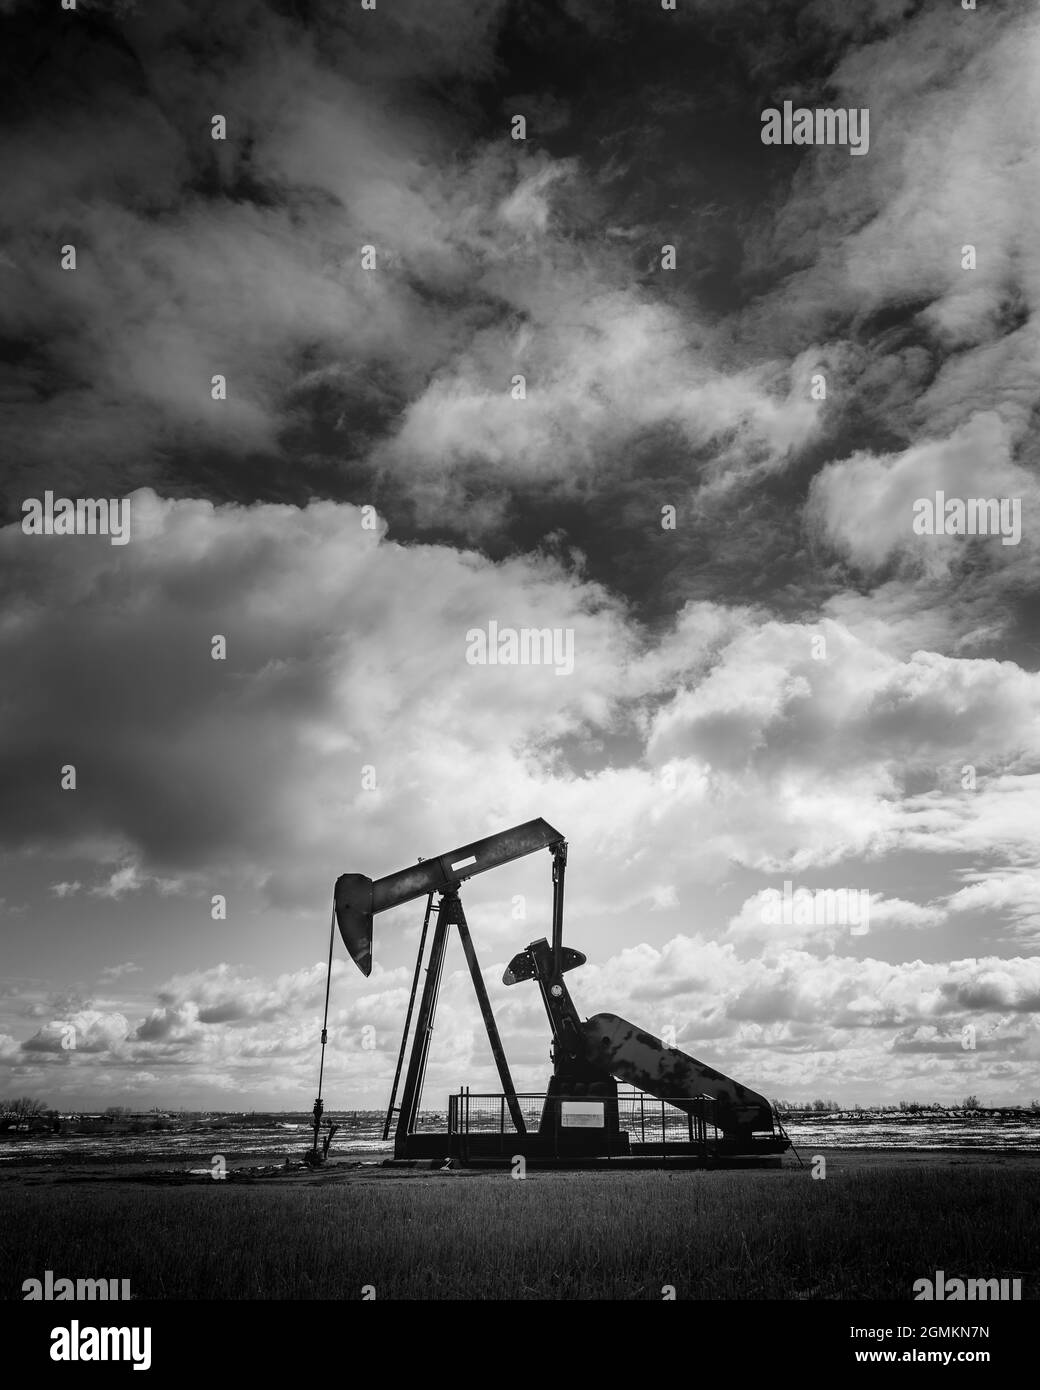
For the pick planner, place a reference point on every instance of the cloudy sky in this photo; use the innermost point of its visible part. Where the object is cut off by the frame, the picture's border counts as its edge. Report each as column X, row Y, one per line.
column 788, row 684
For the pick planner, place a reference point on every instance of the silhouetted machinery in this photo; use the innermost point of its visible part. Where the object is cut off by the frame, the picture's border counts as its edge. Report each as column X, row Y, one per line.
column 581, row 1116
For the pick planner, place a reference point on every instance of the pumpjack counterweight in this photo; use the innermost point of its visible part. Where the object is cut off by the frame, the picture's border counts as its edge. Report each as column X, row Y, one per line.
column 581, row 1112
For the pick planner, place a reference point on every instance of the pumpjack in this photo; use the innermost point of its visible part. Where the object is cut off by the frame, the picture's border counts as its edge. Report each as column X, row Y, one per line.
column 580, row 1115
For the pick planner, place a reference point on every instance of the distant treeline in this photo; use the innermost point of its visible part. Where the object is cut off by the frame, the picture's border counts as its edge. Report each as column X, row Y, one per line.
column 906, row 1107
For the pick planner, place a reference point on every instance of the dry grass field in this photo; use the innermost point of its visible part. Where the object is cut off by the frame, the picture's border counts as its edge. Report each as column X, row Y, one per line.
column 875, row 1224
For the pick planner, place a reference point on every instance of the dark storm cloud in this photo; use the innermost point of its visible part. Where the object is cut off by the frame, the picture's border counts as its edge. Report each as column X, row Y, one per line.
column 390, row 127
column 196, row 256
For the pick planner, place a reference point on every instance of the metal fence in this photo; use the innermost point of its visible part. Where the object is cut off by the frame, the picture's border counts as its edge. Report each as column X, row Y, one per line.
column 647, row 1119
column 470, row 1113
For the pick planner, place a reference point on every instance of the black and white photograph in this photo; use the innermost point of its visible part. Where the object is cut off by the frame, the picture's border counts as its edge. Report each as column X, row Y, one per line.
column 520, row 675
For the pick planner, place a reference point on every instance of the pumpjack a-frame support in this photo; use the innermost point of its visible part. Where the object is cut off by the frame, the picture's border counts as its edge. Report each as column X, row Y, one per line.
column 358, row 898
column 407, row 1143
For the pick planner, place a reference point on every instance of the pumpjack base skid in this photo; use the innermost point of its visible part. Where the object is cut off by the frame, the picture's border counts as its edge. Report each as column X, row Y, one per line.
column 480, row 1150
column 494, row 1151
